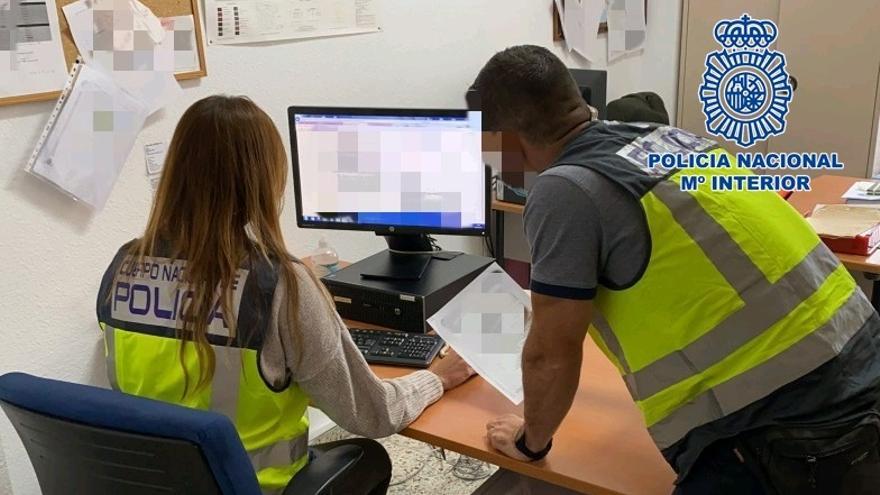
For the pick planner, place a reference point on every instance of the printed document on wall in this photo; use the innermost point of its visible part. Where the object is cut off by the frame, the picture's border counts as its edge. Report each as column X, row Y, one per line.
column 90, row 138
column 248, row 21
column 31, row 54
column 487, row 323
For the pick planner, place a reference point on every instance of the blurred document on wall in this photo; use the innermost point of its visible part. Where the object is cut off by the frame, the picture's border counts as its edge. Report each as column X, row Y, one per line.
column 248, row 21
column 180, row 38
column 487, row 323
column 626, row 27
column 90, row 134
column 126, row 41
column 31, row 53
column 580, row 26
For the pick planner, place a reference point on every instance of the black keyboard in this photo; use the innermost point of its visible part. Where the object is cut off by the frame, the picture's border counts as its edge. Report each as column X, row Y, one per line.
column 398, row 348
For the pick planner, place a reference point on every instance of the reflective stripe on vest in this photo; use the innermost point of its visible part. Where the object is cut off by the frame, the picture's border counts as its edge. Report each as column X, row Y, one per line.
column 754, row 317
column 276, row 453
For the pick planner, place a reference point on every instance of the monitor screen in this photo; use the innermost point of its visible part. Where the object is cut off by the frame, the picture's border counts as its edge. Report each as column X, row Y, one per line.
column 392, row 171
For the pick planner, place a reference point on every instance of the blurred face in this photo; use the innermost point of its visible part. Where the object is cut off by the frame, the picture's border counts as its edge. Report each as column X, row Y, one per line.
column 504, row 152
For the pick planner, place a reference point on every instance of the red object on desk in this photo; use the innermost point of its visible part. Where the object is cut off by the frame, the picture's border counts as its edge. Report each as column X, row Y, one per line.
column 863, row 244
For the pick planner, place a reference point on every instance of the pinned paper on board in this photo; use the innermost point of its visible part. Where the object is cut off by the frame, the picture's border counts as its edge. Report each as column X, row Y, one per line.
column 180, row 38
column 31, row 53
column 487, row 324
column 116, row 38
column 249, row 21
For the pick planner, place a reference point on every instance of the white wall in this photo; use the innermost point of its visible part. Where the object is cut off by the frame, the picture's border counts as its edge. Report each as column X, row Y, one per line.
column 54, row 251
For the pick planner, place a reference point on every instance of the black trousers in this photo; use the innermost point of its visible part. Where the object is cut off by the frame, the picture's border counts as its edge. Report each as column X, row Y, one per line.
column 372, row 473
column 824, row 459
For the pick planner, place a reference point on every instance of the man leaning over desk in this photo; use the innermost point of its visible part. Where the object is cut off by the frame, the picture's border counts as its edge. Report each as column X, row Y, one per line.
column 751, row 352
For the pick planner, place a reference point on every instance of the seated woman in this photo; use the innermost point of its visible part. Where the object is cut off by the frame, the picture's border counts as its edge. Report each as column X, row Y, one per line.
column 208, row 309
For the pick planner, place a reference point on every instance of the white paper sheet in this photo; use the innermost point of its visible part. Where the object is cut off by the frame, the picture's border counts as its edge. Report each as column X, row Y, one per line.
column 31, row 54
column 626, row 27
column 487, row 323
column 91, row 139
column 248, row 21
column 580, row 25
column 127, row 54
column 154, row 156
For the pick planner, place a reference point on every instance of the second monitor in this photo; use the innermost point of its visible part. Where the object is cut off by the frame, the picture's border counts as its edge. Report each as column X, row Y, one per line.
column 402, row 173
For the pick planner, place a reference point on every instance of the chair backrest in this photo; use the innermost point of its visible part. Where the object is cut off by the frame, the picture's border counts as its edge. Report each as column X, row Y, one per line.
column 84, row 439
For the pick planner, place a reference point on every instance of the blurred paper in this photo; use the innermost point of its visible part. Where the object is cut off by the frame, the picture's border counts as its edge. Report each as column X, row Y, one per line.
column 109, row 40
column 487, row 323
column 248, row 21
column 146, row 20
column 90, row 138
column 626, row 27
column 180, row 38
column 31, row 54
column 580, row 26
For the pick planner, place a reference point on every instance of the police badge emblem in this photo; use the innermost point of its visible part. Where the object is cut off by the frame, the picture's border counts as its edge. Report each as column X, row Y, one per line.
column 746, row 89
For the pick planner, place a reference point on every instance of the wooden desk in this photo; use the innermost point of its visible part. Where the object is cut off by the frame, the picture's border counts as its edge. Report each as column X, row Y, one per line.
column 602, row 447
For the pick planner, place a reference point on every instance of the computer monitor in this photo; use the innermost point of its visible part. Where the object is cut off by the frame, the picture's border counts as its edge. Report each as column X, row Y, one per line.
column 402, row 173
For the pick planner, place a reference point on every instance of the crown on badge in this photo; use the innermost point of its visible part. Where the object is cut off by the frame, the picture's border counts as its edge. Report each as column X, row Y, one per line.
column 745, row 33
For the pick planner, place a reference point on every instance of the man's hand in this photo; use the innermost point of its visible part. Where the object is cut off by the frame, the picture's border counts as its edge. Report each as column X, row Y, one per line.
column 503, row 433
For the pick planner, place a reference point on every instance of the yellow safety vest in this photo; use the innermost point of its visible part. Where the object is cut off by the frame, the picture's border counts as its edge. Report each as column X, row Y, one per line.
column 138, row 312
column 739, row 296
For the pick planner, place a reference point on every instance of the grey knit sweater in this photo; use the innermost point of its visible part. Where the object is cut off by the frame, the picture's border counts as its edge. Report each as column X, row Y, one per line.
column 325, row 362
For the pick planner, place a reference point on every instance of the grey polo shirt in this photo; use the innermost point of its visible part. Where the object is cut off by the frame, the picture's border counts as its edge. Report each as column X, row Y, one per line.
column 583, row 230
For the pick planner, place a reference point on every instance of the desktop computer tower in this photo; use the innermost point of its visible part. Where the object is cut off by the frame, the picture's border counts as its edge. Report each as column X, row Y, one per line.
column 401, row 304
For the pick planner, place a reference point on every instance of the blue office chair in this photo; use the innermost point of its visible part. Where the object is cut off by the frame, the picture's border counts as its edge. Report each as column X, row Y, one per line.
column 84, row 439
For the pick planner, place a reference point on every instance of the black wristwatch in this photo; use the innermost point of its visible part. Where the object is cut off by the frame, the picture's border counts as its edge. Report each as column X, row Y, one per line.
column 535, row 456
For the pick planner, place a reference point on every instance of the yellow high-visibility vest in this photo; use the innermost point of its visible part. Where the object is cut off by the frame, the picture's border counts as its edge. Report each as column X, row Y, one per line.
column 739, row 296
column 139, row 311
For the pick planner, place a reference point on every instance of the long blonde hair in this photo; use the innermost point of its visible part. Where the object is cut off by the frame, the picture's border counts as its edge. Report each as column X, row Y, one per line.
column 218, row 203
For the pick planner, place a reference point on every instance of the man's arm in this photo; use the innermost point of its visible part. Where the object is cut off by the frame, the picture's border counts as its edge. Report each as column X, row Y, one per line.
column 551, row 367
column 551, row 364
column 565, row 253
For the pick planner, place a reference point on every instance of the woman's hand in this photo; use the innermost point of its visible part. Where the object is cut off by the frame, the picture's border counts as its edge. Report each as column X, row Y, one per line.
column 452, row 370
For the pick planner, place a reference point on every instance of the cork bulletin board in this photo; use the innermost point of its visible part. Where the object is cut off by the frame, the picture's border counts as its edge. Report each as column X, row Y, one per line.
column 162, row 8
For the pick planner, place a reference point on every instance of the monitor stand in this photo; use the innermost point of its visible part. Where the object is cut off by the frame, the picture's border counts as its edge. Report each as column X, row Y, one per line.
column 406, row 258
